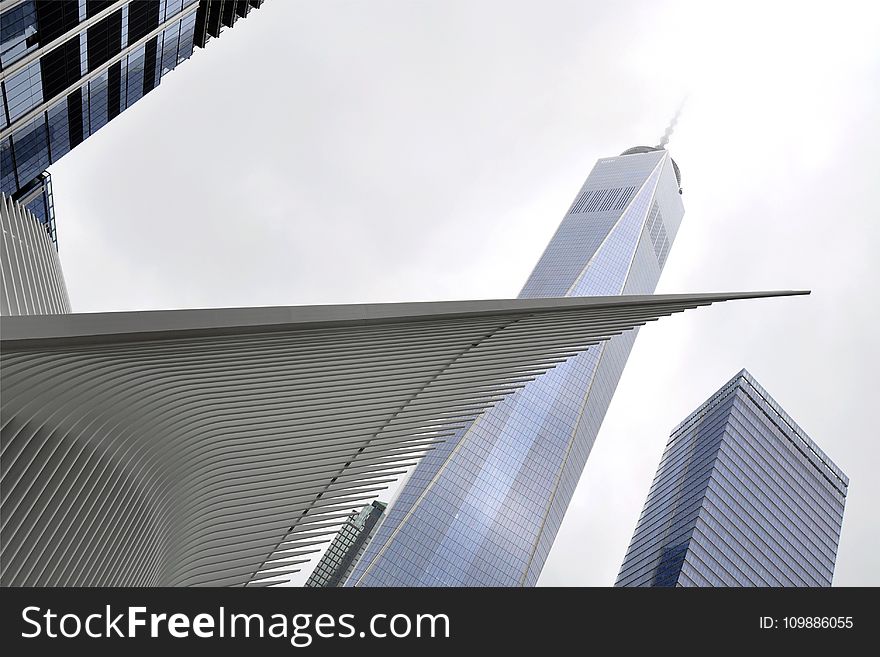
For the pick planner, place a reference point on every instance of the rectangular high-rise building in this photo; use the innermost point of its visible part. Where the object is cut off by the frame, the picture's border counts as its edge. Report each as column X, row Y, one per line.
column 67, row 67
column 347, row 547
column 742, row 497
column 484, row 507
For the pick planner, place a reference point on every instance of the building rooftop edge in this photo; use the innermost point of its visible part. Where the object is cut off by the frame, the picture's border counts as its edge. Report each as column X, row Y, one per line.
column 820, row 457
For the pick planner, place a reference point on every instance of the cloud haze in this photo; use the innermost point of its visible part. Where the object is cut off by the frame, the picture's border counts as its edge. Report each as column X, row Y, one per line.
column 330, row 152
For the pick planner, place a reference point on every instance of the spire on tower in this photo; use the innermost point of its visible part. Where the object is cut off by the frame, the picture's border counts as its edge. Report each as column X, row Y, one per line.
column 666, row 135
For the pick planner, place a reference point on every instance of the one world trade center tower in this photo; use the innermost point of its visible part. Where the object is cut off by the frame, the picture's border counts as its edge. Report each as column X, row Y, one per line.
column 484, row 507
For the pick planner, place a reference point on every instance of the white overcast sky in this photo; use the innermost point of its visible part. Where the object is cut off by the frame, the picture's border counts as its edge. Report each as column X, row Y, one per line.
column 332, row 152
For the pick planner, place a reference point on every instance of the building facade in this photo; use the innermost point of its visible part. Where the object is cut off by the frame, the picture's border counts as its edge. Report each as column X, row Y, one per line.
column 742, row 497
column 68, row 67
column 30, row 270
column 36, row 198
column 484, row 508
column 347, row 547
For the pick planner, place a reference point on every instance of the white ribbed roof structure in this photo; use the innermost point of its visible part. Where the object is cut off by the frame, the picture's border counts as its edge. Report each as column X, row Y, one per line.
column 31, row 280
column 220, row 447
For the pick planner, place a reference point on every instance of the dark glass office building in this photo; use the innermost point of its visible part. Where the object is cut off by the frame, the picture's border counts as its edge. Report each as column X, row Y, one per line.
column 347, row 547
column 67, row 67
column 742, row 497
column 483, row 508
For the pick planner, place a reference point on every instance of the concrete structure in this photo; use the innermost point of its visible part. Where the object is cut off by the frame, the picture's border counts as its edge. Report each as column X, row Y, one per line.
column 31, row 280
column 218, row 447
column 742, row 497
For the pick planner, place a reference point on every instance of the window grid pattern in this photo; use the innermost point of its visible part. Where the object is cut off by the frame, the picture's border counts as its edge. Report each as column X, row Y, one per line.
column 18, row 33
column 742, row 497
column 33, row 144
column 602, row 200
column 347, row 546
column 483, row 508
column 657, row 231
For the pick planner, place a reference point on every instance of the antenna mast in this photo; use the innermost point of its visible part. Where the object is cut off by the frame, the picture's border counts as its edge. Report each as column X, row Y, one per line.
column 666, row 135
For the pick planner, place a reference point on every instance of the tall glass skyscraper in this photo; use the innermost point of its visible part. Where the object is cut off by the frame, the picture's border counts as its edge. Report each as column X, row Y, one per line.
column 484, row 507
column 67, row 67
column 742, row 497
column 347, row 547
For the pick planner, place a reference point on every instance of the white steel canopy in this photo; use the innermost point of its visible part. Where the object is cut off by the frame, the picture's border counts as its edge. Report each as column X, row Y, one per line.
column 220, row 447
